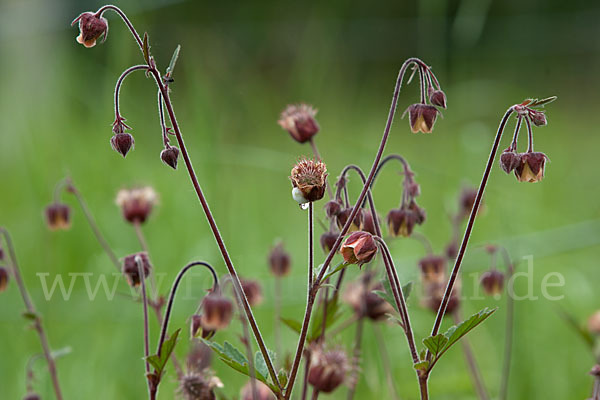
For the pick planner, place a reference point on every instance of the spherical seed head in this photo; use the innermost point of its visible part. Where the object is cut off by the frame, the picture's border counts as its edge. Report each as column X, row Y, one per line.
column 422, row 117
column 253, row 291
column 122, row 143
column 299, row 121
column 357, row 222
column 218, row 311
column 279, row 261
column 91, row 28
column 4, row 277
column 438, row 98
column 131, row 270
column 531, row 167
column 58, row 216
column 328, row 369
column 492, row 282
column 136, row 204
column 262, row 392
column 594, row 323
column 309, row 177
column 198, row 386
column 327, row 240
column 359, row 248
column 169, row 156
column 509, row 160
column 433, row 269
column 32, row 396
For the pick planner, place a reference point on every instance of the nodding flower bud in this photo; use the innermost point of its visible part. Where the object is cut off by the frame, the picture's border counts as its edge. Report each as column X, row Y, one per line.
column 357, row 222
column 327, row 240
column 509, row 160
column 333, row 208
column 32, row 396
column 169, row 156
column 402, row 221
column 531, row 167
column 122, row 143
column 197, row 328
column 309, row 178
column 452, row 250
column 136, row 204
column 594, row 323
column 438, row 98
column 492, row 282
column 199, row 386
column 131, row 270
column 279, row 261
column 299, row 121
column 433, row 269
column 218, row 311
column 3, row 279
column 369, row 222
column 327, row 369
column 91, row 28
column 58, row 216
column 262, row 392
column 434, row 293
column 359, row 248
column 253, row 291
column 538, row 117
column 595, row 371
column 467, row 201
column 361, row 297
column 413, row 189
column 422, row 117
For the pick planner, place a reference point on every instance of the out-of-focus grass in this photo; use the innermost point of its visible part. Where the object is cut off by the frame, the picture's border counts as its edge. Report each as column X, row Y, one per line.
column 239, row 66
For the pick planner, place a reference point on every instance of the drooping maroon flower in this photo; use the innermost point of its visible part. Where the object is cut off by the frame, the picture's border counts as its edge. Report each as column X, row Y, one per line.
column 328, row 369
column 91, row 28
column 299, row 121
column 359, row 248
column 369, row 222
column 131, row 269
column 327, row 240
column 433, row 269
column 531, row 167
column 492, row 282
column 122, row 142
column 218, row 311
column 422, row 117
column 169, row 156
column 58, row 216
column 434, row 293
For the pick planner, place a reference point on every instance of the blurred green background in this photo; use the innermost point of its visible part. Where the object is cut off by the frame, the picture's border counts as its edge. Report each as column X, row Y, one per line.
column 241, row 63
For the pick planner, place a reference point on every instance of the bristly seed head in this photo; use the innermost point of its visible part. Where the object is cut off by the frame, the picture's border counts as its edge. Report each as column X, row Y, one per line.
column 299, row 121
column 328, row 369
column 58, row 216
column 199, row 386
column 91, row 28
column 309, row 179
column 136, row 204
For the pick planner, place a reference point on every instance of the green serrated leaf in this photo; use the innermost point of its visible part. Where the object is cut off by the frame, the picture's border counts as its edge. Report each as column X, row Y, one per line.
column 436, row 343
column 337, row 269
column 146, row 48
column 260, row 365
column 234, row 354
column 294, row 325
column 159, row 361
column 422, row 365
column 154, row 360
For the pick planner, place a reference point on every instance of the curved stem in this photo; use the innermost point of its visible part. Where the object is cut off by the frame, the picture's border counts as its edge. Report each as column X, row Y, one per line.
column 215, row 230
column 165, row 324
column 92, row 223
column 513, row 144
column 163, row 125
column 120, row 82
column 469, row 228
column 529, row 135
column 37, row 322
column 116, row 9
column 360, row 173
column 151, row 387
column 388, row 158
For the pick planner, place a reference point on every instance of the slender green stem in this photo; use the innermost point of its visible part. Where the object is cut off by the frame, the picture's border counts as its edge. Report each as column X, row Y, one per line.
column 37, row 321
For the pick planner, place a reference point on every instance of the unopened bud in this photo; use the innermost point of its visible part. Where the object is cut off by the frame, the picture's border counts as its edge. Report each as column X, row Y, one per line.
column 359, row 248
column 279, row 261
column 136, row 204
column 299, row 121
column 253, row 291
column 438, row 98
column 169, row 156
column 91, row 28
column 131, row 269
column 538, row 118
column 328, row 240
column 333, row 208
column 198, row 386
column 122, row 143
column 509, row 160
